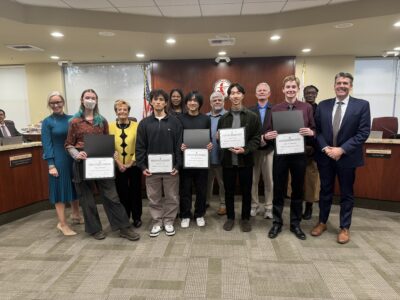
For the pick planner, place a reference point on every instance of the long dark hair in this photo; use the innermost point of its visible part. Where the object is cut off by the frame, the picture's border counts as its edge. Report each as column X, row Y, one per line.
column 170, row 108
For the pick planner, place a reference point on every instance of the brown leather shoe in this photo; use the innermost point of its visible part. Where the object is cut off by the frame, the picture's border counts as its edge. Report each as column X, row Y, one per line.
column 221, row 211
column 343, row 236
column 318, row 229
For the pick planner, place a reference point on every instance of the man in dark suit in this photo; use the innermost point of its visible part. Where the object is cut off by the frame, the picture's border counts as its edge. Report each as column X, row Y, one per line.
column 343, row 125
column 7, row 127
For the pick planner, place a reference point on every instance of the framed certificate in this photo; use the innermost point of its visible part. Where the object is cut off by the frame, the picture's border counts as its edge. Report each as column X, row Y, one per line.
column 232, row 137
column 98, row 168
column 289, row 143
column 160, row 163
column 196, row 159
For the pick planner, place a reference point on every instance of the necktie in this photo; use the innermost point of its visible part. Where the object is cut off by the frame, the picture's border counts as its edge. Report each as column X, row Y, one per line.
column 336, row 122
column 4, row 130
column 290, row 107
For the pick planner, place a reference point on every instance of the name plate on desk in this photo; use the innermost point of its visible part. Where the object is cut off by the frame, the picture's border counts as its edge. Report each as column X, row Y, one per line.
column 19, row 160
column 98, row 168
column 379, row 153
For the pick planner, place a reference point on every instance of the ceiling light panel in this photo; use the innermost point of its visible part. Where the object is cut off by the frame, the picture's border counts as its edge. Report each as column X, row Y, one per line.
column 221, row 10
column 262, row 8
column 180, row 11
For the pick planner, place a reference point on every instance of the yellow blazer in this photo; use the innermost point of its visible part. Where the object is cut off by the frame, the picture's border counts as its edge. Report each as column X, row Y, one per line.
column 125, row 141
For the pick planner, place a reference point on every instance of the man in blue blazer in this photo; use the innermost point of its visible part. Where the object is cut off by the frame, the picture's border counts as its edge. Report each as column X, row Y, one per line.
column 343, row 125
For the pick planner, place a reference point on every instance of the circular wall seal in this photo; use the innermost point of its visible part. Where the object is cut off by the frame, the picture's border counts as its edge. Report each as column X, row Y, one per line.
column 222, row 86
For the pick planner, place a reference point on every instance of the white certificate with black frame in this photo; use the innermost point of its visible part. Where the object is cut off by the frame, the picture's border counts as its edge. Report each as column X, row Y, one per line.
column 98, row 168
column 232, row 137
column 196, row 159
column 160, row 163
column 289, row 143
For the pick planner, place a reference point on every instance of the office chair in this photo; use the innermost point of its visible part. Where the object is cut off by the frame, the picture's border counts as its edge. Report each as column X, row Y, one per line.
column 388, row 125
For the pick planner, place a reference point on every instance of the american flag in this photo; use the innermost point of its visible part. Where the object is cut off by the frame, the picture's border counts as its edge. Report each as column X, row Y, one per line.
column 147, row 109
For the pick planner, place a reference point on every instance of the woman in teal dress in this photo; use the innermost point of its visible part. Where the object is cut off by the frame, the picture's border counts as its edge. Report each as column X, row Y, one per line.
column 61, row 188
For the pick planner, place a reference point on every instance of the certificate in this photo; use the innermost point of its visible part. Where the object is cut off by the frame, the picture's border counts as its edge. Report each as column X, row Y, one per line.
column 232, row 137
column 160, row 163
column 289, row 143
column 196, row 158
column 98, row 168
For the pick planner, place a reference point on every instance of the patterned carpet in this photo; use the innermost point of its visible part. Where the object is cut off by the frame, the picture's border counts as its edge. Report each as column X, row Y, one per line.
column 37, row 262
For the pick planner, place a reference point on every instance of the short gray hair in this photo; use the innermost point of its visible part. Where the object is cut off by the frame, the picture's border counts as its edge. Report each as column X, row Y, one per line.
column 345, row 75
column 264, row 84
column 217, row 94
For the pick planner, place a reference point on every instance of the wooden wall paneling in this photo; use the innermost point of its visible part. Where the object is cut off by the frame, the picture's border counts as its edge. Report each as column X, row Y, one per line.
column 203, row 73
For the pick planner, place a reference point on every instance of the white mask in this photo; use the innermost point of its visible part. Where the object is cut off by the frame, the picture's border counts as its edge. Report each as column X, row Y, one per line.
column 89, row 104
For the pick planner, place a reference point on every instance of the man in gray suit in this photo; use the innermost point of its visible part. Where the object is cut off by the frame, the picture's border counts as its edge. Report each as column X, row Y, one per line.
column 7, row 127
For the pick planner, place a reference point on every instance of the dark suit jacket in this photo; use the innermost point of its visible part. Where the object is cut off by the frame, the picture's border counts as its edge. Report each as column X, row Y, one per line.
column 266, row 125
column 11, row 127
column 354, row 131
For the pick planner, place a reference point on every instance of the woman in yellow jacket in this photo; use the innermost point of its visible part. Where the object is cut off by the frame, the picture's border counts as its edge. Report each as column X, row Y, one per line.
column 128, row 177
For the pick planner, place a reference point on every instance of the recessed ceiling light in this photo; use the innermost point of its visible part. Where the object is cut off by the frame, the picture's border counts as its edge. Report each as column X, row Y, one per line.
column 56, row 34
column 306, row 50
column 170, row 41
column 397, row 24
column 106, row 33
column 275, row 37
column 139, row 55
column 55, row 57
column 343, row 25
column 396, row 49
column 221, row 53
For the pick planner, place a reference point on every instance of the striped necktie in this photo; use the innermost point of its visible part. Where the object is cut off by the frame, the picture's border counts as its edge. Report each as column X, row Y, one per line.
column 336, row 122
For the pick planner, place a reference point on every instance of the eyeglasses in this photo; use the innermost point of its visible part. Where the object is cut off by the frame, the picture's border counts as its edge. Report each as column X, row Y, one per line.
column 58, row 103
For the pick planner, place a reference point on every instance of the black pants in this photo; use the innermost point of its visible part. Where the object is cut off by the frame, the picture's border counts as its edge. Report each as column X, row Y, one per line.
column 296, row 165
column 346, row 178
column 199, row 177
column 129, row 188
column 246, row 180
column 112, row 206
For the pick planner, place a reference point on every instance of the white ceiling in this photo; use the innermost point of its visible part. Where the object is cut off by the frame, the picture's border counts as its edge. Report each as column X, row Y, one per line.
column 185, row 8
column 312, row 27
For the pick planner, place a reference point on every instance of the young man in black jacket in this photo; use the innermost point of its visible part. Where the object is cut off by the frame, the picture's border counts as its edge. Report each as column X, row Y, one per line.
column 238, row 161
column 160, row 134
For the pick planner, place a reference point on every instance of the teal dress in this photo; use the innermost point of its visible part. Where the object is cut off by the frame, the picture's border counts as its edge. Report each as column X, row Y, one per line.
column 54, row 134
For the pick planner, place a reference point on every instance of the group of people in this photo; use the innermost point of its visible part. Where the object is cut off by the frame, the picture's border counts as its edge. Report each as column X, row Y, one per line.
column 334, row 132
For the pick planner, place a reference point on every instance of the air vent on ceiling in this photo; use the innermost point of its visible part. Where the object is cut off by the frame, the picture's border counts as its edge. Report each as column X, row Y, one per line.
column 24, row 48
column 222, row 41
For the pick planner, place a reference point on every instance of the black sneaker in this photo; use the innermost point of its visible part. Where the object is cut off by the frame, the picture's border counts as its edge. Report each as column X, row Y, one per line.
column 129, row 233
column 245, row 225
column 229, row 225
column 99, row 235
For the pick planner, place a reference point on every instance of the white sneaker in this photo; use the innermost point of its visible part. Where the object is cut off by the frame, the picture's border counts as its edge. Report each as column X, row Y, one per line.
column 185, row 222
column 200, row 222
column 268, row 214
column 155, row 231
column 254, row 211
column 169, row 230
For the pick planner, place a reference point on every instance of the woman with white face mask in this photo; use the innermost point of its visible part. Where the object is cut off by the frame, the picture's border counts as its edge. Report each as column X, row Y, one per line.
column 89, row 121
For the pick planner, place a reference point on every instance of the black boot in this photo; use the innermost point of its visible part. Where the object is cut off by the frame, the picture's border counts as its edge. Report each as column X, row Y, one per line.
column 308, row 211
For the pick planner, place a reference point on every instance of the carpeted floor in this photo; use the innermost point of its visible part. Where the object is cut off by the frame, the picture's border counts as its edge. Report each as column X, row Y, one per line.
column 37, row 262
